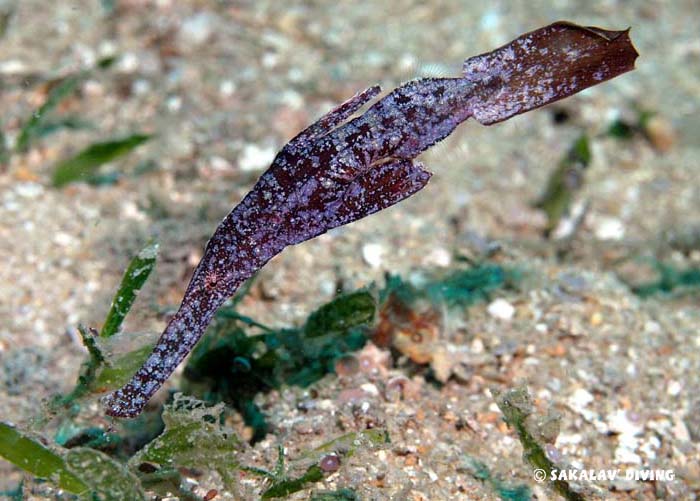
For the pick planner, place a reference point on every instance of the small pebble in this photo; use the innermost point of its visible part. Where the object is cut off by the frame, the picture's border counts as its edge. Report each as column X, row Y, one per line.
column 609, row 228
column 254, row 157
column 580, row 399
column 173, row 103
column 227, row 88
column 219, row 164
column 141, row 87
column 63, row 239
column 128, row 63
column 621, row 422
column 650, row 447
column 29, row 190
column 625, row 451
column 501, row 309
column 674, row 388
column 661, row 134
column 477, row 346
column 372, row 254
column 12, row 67
column 197, row 29
column 330, row 463
column 370, row 389
column 438, row 257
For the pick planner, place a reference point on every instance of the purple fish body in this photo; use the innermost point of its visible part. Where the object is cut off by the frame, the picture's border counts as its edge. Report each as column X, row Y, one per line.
column 339, row 170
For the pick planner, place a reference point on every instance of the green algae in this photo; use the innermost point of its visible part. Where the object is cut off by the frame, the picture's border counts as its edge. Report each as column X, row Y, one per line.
column 516, row 406
column 671, row 279
column 506, row 491
column 32, row 456
column 37, row 123
column 344, row 446
column 86, row 472
column 195, row 438
column 84, row 165
column 136, row 274
column 564, row 181
column 233, row 364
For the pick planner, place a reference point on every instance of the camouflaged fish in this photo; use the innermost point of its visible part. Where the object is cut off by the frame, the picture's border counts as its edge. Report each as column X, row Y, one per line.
column 339, row 170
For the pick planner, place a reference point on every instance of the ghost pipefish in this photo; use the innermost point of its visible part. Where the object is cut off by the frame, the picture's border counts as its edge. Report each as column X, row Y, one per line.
column 339, row 170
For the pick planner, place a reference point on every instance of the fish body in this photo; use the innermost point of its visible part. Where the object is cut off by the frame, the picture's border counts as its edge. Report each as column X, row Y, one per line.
column 341, row 169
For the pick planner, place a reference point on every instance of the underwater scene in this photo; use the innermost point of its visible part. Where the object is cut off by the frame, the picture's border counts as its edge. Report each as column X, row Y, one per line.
column 348, row 251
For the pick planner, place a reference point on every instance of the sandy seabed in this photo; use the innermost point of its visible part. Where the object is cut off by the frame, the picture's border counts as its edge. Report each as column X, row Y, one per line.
column 224, row 85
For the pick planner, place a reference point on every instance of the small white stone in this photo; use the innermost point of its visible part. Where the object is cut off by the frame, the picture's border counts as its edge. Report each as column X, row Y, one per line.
column 270, row 60
column 128, row 63
column 141, row 87
column 609, row 228
column 255, row 157
column 197, row 29
column 326, row 404
column 619, row 422
column 327, row 287
column 674, row 388
column 227, row 88
column 650, row 447
column 568, row 439
column 439, row 256
column 544, row 394
column 292, row 99
column 490, row 20
column 107, row 48
column 219, row 164
column 370, row 389
column 554, row 384
column 625, row 451
column 501, row 309
column 651, row 327
column 11, row 206
column 12, row 67
column 477, row 346
column 174, row 103
column 580, row 398
column 407, row 62
column 29, row 190
column 93, row 88
column 129, row 210
column 372, row 254
column 63, row 239
column 85, row 53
